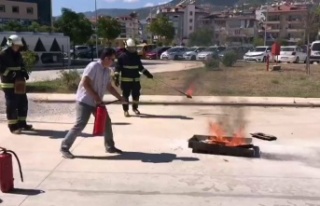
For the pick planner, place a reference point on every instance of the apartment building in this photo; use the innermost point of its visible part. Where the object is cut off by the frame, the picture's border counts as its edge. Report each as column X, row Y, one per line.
column 26, row 11
column 286, row 22
column 130, row 27
column 185, row 19
column 232, row 26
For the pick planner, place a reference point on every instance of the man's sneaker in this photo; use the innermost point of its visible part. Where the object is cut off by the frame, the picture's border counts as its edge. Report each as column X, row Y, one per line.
column 114, row 150
column 136, row 111
column 66, row 154
column 126, row 114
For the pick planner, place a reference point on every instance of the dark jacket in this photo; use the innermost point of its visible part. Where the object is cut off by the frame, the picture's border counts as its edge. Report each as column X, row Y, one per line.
column 129, row 65
column 11, row 67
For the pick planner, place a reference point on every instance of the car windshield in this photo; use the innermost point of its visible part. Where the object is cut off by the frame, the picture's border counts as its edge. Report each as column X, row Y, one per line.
column 260, row 49
column 155, row 49
column 316, row 47
column 174, row 49
column 287, row 49
column 211, row 49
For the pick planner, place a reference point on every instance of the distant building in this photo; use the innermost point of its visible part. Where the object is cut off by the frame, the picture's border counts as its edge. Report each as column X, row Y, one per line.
column 130, row 26
column 185, row 19
column 26, row 11
column 232, row 26
column 286, row 22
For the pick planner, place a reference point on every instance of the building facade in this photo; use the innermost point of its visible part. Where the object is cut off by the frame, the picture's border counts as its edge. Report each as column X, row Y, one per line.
column 287, row 22
column 185, row 19
column 26, row 11
column 130, row 27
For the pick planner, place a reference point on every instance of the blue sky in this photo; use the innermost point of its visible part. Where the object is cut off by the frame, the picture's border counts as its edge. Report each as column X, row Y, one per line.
column 88, row 5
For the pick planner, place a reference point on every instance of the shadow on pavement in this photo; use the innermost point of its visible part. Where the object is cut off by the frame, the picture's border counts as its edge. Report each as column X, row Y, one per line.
column 52, row 134
column 29, row 192
column 1, row 201
column 46, row 122
column 164, row 116
column 143, row 157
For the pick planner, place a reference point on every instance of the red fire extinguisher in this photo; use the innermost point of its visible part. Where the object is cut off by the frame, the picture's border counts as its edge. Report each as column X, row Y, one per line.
column 100, row 121
column 6, row 170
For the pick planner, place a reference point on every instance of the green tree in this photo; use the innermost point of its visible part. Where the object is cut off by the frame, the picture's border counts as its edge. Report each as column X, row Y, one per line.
column 201, row 37
column 258, row 41
column 36, row 27
column 30, row 59
column 14, row 26
column 75, row 25
column 163, row 28
column 108, row 28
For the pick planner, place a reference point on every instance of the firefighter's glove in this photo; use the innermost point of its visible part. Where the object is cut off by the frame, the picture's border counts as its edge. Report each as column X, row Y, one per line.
column 116, row 80
column 148, row 74
column 26, row 75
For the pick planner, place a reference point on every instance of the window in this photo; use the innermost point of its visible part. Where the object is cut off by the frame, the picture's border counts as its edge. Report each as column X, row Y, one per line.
column 190, row 28
column 15, row 9
column 190, row 20
column 29, row 10
column 191, row 13
column 2, row 8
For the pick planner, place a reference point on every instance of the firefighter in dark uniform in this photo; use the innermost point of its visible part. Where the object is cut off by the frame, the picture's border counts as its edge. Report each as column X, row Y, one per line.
column 127, row 71
column 13, row 83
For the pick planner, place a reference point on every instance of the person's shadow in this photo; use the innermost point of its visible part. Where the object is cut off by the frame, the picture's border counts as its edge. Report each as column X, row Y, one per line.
column 52, row 134
column 143, row 157
column 154, row 116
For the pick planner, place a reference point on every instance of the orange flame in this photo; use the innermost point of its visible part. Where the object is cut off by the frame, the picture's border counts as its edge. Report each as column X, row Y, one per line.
column 218, row 136
column 190, row 90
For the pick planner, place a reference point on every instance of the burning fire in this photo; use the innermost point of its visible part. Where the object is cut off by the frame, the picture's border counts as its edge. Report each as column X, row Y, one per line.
column 218, row 136
column 190, row 90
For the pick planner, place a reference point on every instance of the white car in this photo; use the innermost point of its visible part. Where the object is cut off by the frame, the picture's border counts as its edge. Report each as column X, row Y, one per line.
column 292, row 54
column 315, row 52
column 259, row 54
column 191, row 53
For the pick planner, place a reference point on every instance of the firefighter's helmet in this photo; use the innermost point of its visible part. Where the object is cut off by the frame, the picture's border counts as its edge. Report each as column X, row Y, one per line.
column 130, row 45
column 14, row 40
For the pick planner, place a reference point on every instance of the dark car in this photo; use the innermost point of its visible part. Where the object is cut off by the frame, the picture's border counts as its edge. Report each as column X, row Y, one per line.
column 155, row 53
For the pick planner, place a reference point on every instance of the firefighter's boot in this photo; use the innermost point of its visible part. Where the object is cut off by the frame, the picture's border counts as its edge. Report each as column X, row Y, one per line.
column 126, row 114
column 24, row 126
column 136, row 111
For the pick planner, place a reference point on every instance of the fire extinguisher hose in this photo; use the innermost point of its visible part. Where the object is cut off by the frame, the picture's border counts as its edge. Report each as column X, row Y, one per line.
column 4, row 151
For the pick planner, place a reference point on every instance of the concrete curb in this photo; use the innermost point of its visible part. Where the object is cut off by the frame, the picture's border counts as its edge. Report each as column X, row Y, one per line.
column 196, row 101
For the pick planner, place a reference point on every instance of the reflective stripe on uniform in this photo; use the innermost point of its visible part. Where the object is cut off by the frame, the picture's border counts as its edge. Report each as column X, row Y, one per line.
column 130, row 67
column 11, row 69
column 12, row 121
column 22, row 118
column 7, row 85
column 126, row 79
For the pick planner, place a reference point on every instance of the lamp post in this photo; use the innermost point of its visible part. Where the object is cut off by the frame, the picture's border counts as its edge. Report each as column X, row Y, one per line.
column 96, row 27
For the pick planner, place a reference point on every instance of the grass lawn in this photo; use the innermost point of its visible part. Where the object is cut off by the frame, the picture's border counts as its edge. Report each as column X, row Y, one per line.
column 243, row 79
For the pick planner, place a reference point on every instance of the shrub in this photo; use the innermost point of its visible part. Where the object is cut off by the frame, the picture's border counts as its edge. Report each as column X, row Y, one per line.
column 229, row 59
column 70, row 79
column 30, row 59
column 212, row 63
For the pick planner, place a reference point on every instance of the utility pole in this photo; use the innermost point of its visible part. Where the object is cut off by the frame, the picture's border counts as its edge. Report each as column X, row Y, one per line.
column 97, row 51
column 265, row 28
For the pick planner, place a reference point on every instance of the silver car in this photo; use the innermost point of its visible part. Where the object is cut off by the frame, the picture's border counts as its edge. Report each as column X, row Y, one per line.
column 208, row 53
column 174, row 53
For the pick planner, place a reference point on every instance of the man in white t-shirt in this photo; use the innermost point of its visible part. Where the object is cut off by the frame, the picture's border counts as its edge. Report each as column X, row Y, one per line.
column 94, row 83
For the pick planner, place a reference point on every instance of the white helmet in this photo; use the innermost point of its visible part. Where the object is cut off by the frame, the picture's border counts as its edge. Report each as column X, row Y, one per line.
column 14, row 40
column 130, row 43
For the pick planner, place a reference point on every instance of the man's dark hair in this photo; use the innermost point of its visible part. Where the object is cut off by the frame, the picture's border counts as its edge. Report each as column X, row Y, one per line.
column 107, row 52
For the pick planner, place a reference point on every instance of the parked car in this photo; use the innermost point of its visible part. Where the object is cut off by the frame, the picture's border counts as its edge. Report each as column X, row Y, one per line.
column 144, row 48
column 208, row 53
column 258, row 54
column 156, row 53
column 174, row 53
column 315, row 52
column 79, row 49
column 292, row 54
column 191, row 53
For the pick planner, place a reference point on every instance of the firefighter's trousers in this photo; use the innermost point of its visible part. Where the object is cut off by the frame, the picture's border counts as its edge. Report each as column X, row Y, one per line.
column 131, row 88
column 16, row 109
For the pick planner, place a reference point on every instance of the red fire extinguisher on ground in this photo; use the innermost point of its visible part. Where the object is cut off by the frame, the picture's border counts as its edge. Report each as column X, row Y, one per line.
column 100, row 121
column 6, row 170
